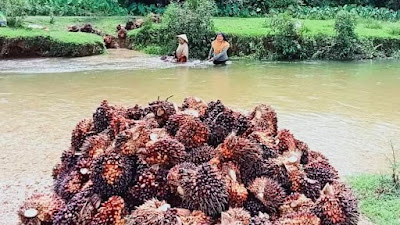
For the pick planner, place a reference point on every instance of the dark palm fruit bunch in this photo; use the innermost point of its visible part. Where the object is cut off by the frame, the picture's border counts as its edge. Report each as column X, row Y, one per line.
column 150, row 183
column 200, row 154
column 175, row 121
column 301, row 183
column 263, row 118
column 162, row 110
column 135, row 113
column 241, row 123
column 192, row 133
column 95, row 145
column 337, row 205
column 275, row 169
column 70, row 184
column 267, row 143
column 205, row 191
column 261, row 219
column 254, row 206
column 296, row 202
column 167, row 152
column 213, row 109
column 235, row 216
column 112, row 173
column 194, row 103
column 321, row 171
column 68, row 161
column 119, row 123
column 220, row 127
column 102, row 116
column 152, row 212
column 269, row 192
column 287, row 142
column 179, row 174
column 81, row 131
column 299, row 218
column 40, row 209
column 196, row 217
column 237, row 193
column 112, row 212
column 79, row 210
column 130, row 141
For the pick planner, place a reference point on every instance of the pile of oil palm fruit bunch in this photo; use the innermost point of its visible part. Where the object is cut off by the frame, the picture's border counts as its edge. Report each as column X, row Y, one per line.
column 193, row 164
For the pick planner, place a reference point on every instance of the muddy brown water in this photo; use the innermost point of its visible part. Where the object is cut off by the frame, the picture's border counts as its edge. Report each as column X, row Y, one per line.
column 347, row 110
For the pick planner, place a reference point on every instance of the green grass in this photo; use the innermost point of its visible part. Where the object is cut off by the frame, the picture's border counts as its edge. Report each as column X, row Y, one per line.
column 259, row 26
column 379, row 201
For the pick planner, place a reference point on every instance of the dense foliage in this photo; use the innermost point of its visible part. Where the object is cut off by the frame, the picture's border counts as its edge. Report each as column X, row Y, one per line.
column 14, row 10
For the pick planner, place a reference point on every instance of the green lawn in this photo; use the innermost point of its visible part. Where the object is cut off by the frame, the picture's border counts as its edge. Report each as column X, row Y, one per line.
column 379, row 201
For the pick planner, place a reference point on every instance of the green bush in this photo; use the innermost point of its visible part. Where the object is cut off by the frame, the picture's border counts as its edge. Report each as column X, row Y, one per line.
column 346, row 41
column 192, row 18
column 15, row 11
column 143, row 9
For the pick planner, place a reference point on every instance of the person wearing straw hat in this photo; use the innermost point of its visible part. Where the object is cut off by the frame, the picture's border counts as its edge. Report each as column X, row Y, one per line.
column 182, row 52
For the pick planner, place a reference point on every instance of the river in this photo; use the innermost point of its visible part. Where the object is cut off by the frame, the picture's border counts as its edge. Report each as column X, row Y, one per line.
column 350, row 111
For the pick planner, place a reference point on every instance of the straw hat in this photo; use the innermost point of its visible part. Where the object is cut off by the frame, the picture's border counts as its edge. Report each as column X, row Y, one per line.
column 184, row 37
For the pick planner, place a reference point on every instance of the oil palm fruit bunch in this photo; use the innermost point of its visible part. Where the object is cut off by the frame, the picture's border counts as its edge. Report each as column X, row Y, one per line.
column 200, row 163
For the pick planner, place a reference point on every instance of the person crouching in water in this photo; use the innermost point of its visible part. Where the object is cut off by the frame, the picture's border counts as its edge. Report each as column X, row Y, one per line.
column 182, row 52
column 219, row 50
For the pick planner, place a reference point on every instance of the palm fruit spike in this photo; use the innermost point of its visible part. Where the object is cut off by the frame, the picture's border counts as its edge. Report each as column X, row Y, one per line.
column 79, row 210
column 166, row 151
column 269, row 192
column 81, row 131
column 70, row 184
column 296, row 202
column 192, row 133
column 40, row 208
column 237, row 193
column 178, row 174
column 152, row 212
column 337, row 205
column 299, row 218
column 112, row 212
column 112, row 173
column 268, row 144
column 321, row 171
column 254, row 206
column 263, row 118
column 235, row 216
column 130, row 141
column 150, row 183
column 194, row 103
column 95, row 145
column 261, row 219
column 205, row 191
column 162, row 110
column 200, row 154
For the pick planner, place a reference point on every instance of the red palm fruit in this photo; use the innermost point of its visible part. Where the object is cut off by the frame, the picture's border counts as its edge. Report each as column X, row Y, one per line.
column 112, row 173
column 81, row 131
column 254, row 206
column 130, row 141
column 175, row 121
column 287, row 142
column 194, row 103
column 68, row 161
column 200, row 155
column 263, row 118
column 299, row 218
column 150, row 183
column 167, row 152
column 192, row 133
column 135, row 113
column 162, row 110
column 301, row 183
column 152, row 212
column 261, row 219
column 237, row 193
column 239, row 149
column 268, row 143
column 275, row 168
column 337, row 205
column 316, row 156
column 112, row 212
column 79, row 210
column 235, row 216
column 269, row 192
column 195, row 218
column 205, row 191
column 303, row 148
column 40, row 209
column 178, row 174
column 296, row 202
column 241, row 123
column 321, row 171
column 95, row 145
column 70, row 184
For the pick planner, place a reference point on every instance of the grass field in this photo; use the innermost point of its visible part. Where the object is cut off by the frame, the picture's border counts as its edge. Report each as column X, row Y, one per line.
column 379, row 201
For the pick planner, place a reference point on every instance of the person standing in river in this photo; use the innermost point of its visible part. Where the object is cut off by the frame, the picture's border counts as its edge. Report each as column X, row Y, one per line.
column 219, row 50
column 182, row 52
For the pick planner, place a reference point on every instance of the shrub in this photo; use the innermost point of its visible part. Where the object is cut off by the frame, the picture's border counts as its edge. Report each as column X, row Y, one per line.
column 287, row 36
column 192, row 18
column 143, row 9
column 15, row 11
column 346, row 41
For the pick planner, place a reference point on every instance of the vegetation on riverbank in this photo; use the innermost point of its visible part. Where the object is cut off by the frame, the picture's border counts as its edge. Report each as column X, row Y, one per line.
column 379, row 199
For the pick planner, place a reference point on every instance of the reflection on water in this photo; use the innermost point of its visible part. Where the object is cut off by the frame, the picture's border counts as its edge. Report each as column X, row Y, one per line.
column 349, row 111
